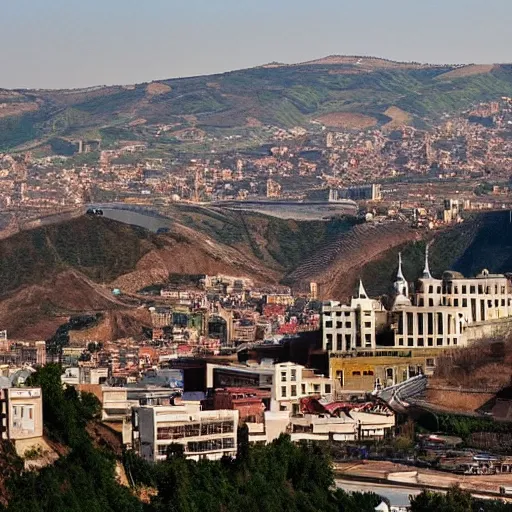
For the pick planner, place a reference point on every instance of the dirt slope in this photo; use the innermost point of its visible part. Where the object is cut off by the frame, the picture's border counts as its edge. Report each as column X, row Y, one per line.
column 337, row 266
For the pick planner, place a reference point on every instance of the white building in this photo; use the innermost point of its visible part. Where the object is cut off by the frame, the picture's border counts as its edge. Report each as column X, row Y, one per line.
column 203, row 434
column 349, row 328
column 446, row 312
column 441, row 313
column 292, row 382
column 288, row 382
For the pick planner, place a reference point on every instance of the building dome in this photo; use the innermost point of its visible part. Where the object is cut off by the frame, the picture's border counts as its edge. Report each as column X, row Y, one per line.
column 401, row 301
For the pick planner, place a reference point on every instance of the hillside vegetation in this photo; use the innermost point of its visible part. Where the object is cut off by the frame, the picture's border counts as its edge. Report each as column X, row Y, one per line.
column 280, row 95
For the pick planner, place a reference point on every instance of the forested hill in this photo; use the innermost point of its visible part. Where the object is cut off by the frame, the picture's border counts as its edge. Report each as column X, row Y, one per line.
column 343, row 92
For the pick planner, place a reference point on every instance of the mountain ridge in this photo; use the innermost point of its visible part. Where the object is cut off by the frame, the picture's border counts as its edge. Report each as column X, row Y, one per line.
column 246, row 101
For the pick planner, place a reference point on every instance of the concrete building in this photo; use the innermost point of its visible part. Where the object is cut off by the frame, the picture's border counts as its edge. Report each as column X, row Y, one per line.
column 84, row 374
column 22, row 413
column 350, row 328
column 203, row 434
column 439, row 314
column 250, row 403
column 287, row 382
column 451, row 311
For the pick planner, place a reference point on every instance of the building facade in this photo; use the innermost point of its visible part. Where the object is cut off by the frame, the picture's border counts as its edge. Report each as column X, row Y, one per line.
column 420, row 324
column 22, row 413
column 202, row 434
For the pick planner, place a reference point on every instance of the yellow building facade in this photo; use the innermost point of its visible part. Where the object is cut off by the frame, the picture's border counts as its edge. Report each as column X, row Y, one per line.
column 364, row 370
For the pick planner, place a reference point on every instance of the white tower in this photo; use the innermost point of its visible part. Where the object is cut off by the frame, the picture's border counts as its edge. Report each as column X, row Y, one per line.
column 426, row 270
column 401, row 286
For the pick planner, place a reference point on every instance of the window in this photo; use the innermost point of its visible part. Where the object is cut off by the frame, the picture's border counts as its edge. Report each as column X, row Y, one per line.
column 283, row 391
column 430, row 289
column 420, row 323
column 348, row 341
column 348, row 325
column 456, row 302
column 293, row 377
column 430, row 362
column 439, row 342
column 456, row 290
column 367, row 313
column 327, row 389
column 430, row 302
column 400, row 341
column 339, row 342
column 162, row 449
column 472, row 289
column 283, row 376
column 430, row 342
column 496, row 303
column 410, row 342
column 464, row 303
column 438, row 289
column 367, row 340
column 328, row 324
column 421, row 302
column 329, row 342
column 464, row 289
column 367, row 325
column 303, row 388
column 293, row 390
column 316, row 388
column 503, row 302
column 421, row 342
column 480, row 289
column 356, row 374
column 368, row 372
column 410, row 322
column 502, row 290
column 339, row 325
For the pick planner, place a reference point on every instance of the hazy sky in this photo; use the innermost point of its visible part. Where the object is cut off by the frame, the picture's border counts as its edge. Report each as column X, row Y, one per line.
column 74, row 43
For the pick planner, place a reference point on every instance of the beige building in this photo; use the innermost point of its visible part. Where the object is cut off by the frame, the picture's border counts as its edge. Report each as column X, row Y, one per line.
column 288, row 382
column 22, row 413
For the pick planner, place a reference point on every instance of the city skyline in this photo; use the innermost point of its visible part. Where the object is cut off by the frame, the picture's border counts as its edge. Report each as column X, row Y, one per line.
column 71, row 44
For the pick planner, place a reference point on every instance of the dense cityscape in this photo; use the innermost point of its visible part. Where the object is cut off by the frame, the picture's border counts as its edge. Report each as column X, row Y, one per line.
column 280, row 287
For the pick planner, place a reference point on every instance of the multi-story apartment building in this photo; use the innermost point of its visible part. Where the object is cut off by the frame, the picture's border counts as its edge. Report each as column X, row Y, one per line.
column 203, row 434
column 287, row 382
column 22, row 413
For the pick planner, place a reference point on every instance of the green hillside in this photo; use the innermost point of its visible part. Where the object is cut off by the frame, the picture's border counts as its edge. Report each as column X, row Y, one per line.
column 282, row 96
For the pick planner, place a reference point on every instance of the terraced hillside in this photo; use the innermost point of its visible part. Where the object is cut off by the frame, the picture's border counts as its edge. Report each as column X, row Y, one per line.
column 371, row 253
column 337, row 266
column 353, row 91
